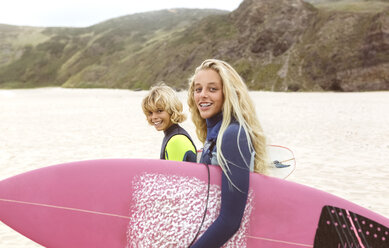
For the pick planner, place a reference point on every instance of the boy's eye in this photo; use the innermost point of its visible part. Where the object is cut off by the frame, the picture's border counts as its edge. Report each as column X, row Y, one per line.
column 160, row 110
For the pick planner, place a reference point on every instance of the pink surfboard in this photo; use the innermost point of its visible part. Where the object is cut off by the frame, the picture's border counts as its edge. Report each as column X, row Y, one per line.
column 154, row 203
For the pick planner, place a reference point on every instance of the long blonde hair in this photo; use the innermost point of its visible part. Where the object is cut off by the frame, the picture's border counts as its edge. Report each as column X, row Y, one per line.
column 238, row 104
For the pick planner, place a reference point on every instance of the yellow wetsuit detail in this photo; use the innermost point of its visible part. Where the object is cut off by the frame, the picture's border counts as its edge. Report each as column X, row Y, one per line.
column 177, row 147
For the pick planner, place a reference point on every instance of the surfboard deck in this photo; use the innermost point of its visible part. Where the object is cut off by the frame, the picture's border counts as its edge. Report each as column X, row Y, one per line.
column 154, row 203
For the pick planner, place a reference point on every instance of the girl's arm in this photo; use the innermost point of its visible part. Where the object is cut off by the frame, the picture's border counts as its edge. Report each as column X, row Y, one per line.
column 233, row 201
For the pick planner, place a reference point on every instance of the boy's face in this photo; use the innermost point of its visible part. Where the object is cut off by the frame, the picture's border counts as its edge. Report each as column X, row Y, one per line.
column 160, row 119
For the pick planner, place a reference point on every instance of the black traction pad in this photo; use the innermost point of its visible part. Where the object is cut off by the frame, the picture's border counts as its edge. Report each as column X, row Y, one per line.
column 340, row 228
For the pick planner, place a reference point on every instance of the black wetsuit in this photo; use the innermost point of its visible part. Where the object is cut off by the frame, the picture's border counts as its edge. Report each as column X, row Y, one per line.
column 233, row 201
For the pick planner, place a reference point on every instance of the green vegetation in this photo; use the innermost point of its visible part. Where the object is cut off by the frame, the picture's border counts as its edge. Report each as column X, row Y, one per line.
column 90, row 57
column 271, row 45
column 328, row 2
column 354, row 6
column 267, row 77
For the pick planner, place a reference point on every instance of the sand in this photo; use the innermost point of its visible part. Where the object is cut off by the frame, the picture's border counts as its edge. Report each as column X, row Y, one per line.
column 341, row 140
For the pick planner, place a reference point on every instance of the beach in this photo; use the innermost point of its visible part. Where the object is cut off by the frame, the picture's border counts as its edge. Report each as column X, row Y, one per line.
column 340, row 140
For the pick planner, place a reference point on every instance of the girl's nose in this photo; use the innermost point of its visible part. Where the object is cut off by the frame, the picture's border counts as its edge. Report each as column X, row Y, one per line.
column 203, row 93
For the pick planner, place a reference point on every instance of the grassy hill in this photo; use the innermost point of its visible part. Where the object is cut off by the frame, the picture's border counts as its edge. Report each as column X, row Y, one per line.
column 283, row 45
column 86, row 57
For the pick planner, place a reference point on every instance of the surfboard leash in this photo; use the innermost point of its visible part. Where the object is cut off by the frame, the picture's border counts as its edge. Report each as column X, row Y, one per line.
column 206, row 207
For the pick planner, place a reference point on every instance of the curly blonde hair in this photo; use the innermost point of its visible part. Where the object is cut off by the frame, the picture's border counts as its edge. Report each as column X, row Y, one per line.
column 163, row 97
column 237, row 104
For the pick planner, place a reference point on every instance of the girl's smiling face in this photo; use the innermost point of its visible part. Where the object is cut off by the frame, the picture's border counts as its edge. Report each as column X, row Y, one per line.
column 160, row 119
column 208, row 92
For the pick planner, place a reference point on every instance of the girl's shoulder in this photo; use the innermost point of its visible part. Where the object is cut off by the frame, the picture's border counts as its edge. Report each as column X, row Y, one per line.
column 234, row 127
column 233, row 130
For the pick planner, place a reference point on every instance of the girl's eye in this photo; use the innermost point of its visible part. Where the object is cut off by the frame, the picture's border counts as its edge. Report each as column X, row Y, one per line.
column 212, row 89
column 159, row 110
column 198, row 90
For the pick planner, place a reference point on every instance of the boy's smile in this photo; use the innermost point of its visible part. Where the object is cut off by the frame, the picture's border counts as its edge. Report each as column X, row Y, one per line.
column 160, row 119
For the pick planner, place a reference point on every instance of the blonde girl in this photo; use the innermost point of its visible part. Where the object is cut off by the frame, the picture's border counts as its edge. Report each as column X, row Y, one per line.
column 226, row 122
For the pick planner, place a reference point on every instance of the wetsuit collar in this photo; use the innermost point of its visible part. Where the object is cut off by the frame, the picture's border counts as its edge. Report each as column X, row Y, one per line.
column 170, row 129
column 213, row 125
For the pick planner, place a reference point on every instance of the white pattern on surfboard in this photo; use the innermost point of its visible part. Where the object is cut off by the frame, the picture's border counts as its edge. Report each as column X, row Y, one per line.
column 168, row 210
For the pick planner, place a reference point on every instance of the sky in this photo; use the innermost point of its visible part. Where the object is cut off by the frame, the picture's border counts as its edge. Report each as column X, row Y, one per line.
column 83, row 13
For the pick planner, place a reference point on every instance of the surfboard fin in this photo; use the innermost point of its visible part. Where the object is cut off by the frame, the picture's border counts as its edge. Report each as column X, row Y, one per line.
column 278, row 164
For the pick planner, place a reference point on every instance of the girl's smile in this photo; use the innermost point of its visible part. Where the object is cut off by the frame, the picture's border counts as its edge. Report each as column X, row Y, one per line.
column 208, row 93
